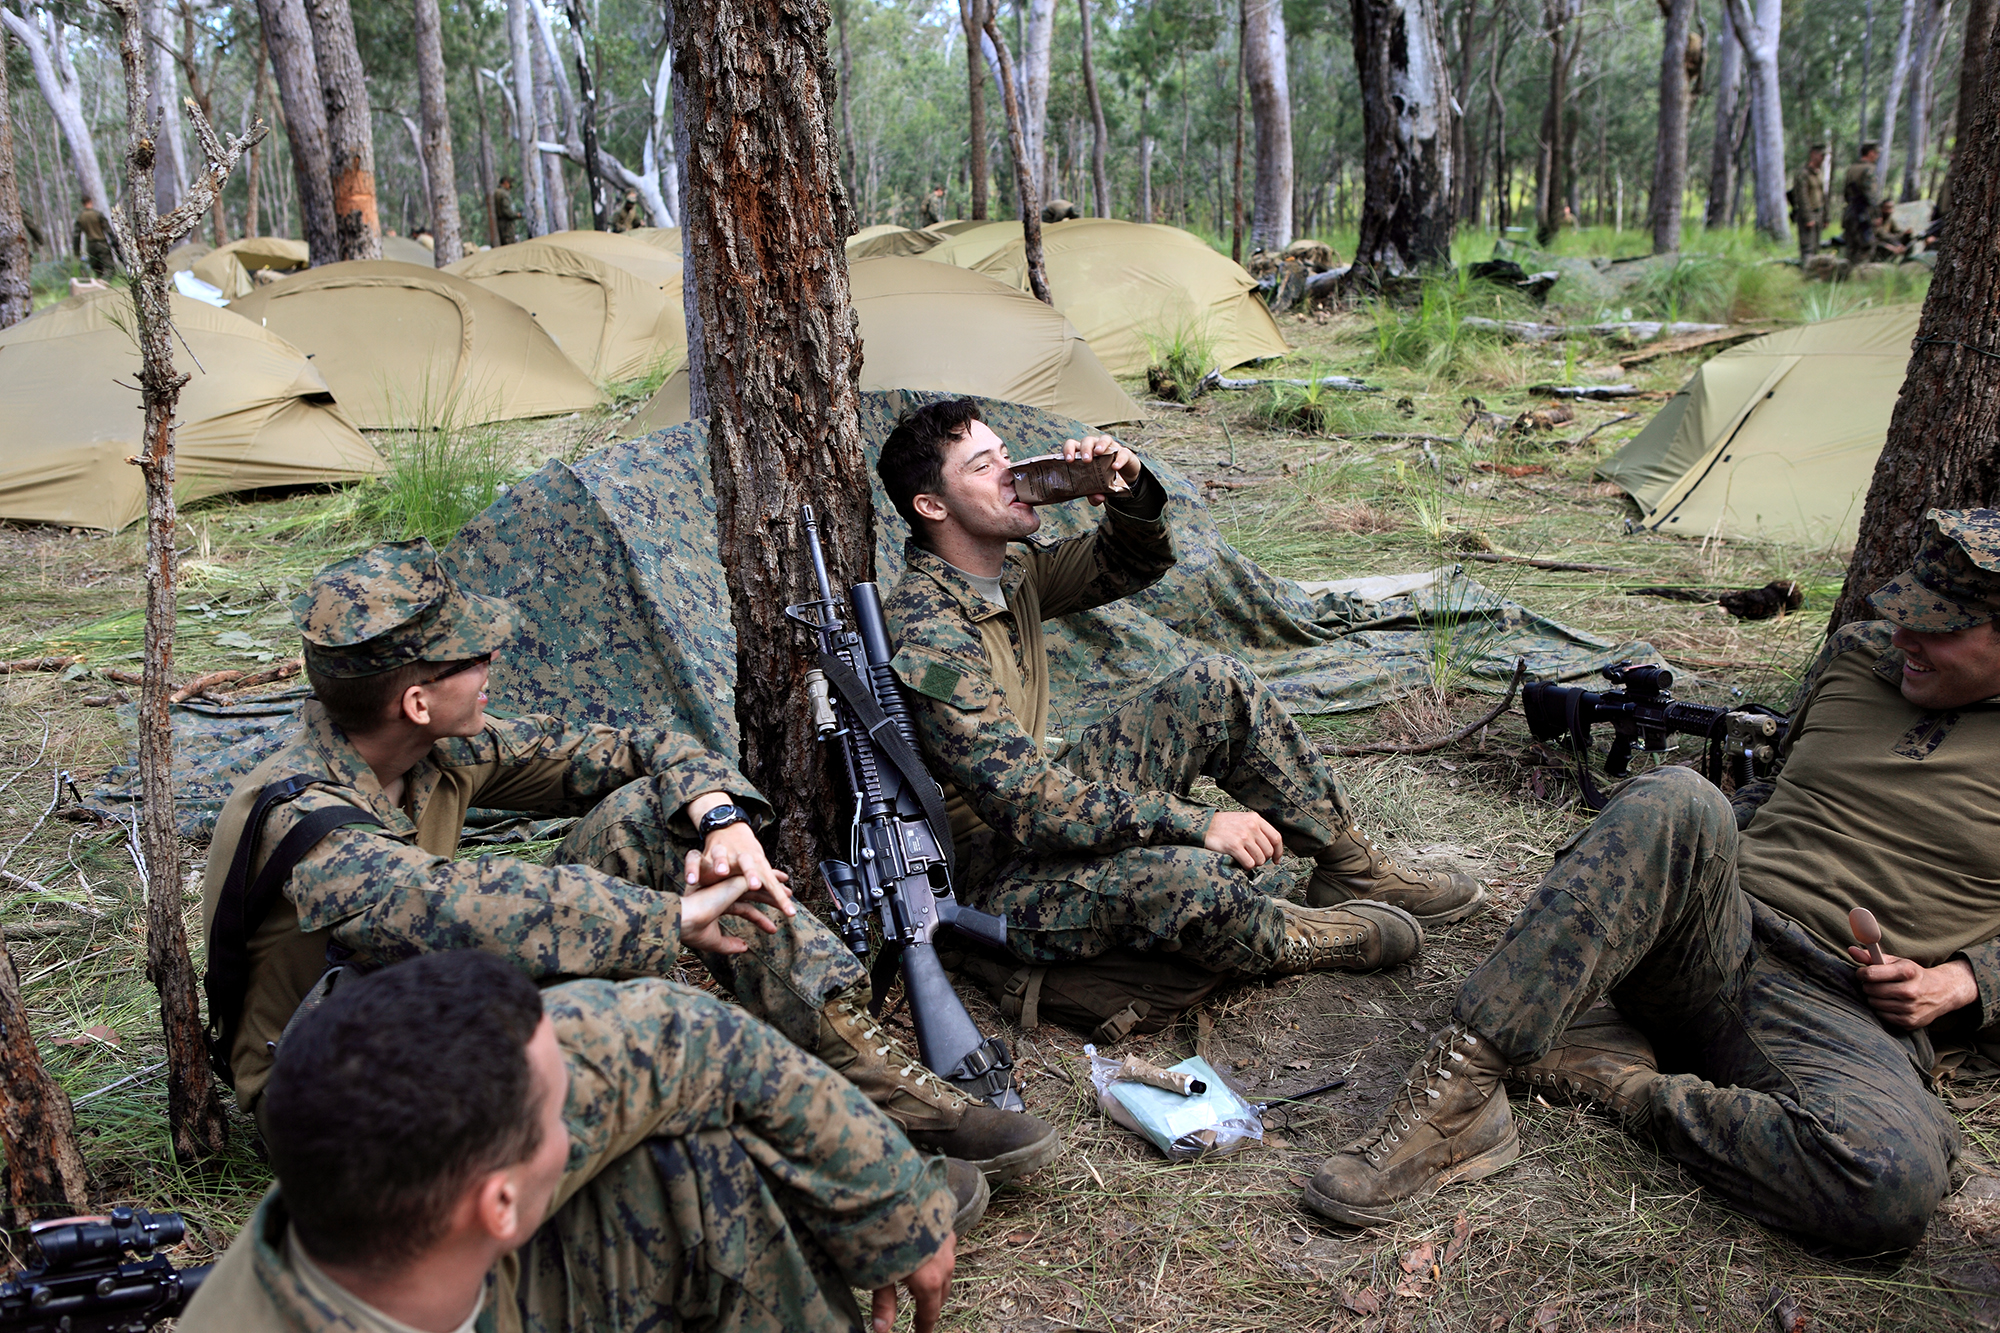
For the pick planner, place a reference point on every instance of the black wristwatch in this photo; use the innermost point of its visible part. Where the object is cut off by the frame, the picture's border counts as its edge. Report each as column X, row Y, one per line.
column 721, row 817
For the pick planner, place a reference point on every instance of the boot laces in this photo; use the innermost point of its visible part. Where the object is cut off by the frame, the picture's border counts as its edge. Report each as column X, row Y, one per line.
column 1419, row 1092
column 870, row 1036
column 1309, row 942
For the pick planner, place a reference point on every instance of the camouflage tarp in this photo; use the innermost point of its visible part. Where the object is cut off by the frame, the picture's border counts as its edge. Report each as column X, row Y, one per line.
column 625, row 613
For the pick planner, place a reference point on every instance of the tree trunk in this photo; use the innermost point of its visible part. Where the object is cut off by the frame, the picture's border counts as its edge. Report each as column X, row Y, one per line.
column 1553, row 193
column 520, row 51
column 767, row 224
column 163, row 109
column 1935, row 21
column 17, row 297
column 1037, row 47
column 1236, row 153
column 250, row 177
column 440, row 171
column 1670, row 156
column 1759, row 36
column 1971, row 86
column 1145, row 155
column 489, row 176
column 194, row 1110
column 1024, row 180
column 594, row 166
column 1406, row 218
column 349, row 137
column 847, row 159
column 45, row 1171
column 1722, row 155
column 1099, row 180
column 661, row 157
column 1941, row 450
column 289, row 40
column 1899, row 74
column 548, row 86
column 1271, row 111
column 973, row 16
column 55, row 74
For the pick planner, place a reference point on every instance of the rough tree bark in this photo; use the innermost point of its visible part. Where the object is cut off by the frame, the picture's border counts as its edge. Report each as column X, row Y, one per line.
column 1099, row 180
column 1671, row 154
column 350, row 140
column 1943, row 448
column 974, row 15
column 1722, row 154
column 1406, row 137
column 1899, row 74
column 194, row 1110
column 55, row 75
column 522, row 106
column 1024, row 180
column 1759, row 36
column 440, row 171
column 1971, row 86
column 1032, row 90
column 17, row 297
column 1934, row 22
column 783, row 360
column 288, row 38
column 1271, row 113
column 45, row 1172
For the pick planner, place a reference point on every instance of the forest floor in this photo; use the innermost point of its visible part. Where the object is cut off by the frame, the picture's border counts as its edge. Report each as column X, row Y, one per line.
column 1590, row 1230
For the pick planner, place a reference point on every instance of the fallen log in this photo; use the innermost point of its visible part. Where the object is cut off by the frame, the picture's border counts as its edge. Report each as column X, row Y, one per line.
column 1566, row 566
column 202, row 682
column 1637, row 330
column 1725, row 338
column 284, row 670
column 38, row 664
column 1215, row 379
column 1596, row 393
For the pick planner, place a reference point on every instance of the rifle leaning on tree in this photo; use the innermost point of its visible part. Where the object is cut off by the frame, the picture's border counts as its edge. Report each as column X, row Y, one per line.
column 900, row 863
column 100, row 1275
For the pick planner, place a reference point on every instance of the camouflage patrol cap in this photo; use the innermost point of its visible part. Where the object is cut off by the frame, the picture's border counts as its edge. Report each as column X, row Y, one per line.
column 1954, row 581
column 391, row 606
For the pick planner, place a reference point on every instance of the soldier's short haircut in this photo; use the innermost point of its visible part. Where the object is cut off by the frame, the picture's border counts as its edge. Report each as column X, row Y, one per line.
column 912, row 461
column 360, row 704
column 394, row 1096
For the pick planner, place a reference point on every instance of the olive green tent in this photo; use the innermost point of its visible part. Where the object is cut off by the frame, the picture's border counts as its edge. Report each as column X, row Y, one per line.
column 231, row 268
column 254, row 413
column 886, row 238
column 407, row 346
column 613, row 325
column 928, row 326
column 1124, row 284
column 1775, row 438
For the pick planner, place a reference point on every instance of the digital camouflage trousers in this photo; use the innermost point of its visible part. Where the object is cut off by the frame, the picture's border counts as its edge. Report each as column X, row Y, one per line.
column 785, row 979
column 1786, row 1095
column 1212, row 719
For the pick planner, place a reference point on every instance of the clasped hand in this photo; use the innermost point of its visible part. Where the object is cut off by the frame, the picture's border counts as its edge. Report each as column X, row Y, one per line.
column 725, row 878
column 1123, row 461
column 1910, row 995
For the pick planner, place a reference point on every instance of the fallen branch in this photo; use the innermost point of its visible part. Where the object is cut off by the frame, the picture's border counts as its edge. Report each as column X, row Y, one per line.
column 38, row 664
column 1596, row 393
column 22, row 882
column 122, row 677
column 1728, row 337
column 1215, row 379
column 1451, row 737
column 202, row 682
column 285, row 670
column 1640, row 330
column 1585, row 437
column 1497, row 558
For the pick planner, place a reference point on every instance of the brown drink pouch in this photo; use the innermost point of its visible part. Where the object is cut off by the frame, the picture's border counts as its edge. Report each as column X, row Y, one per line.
column 1051, row 478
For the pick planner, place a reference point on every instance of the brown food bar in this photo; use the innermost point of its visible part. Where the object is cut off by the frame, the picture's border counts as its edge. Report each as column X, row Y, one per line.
column 1134, row 1070
column 1051, row 478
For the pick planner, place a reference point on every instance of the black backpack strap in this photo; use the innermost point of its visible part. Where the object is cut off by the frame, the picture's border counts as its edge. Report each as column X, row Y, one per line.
column 882, row 730
column 240, row 909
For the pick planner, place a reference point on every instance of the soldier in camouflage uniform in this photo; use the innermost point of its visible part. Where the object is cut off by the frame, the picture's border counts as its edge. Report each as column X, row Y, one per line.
column 1799, row 1083
column 606, row 1156
column 1102, row 848
column 664, row 854
column 1861, row 200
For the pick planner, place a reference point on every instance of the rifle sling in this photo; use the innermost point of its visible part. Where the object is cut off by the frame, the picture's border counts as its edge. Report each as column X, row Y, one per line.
column 1579, row 743
column 888, row 740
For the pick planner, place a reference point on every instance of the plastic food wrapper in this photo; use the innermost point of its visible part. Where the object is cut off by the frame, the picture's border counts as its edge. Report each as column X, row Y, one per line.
column 1214, row 1123
column 1050, row 479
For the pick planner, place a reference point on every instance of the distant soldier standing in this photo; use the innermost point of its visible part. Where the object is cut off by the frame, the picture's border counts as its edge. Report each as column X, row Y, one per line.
column 505, row 215
column 629, row 214
column 1861, row 194
column 93, row 236
column 1808, row 195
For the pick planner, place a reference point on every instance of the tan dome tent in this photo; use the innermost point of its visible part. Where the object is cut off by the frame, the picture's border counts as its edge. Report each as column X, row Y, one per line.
column 887, row 238
column 662, row 238
column 1122, row 283
column 232, row 268
column 182, row 257
column 404, row 250
column 407, row 346
column 929, row 326
column 1776, row 438
column 641, row 258
column 254, row 413
column 953, row 226
column 613, row 325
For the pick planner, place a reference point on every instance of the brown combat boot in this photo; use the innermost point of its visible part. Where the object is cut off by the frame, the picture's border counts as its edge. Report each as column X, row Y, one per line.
column 1354, row 937
column 1600, row 1060
column 969, row 1192
column 1354, row 867
column 933, row 1115
column 1448, row 1123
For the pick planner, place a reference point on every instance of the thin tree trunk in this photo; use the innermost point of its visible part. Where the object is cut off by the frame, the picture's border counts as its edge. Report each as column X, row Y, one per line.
column 661, row 157
column 1936, row 21
column 1554, row 189
column 1759, row 36
column 973, row 16
column 847, row 160
column 1867, row 63
column 349, row 137
column 1236, row 151
column 1941, row 451
column 1670, row 155
column 289, row 41
column 17, row 297
column 250, row 175
column 440, row 170
column 1271, row 110
column 1406, row 220
column 783, row 363
column 586, row 126
column 488, row 169
column 1899, row 74
column 1971, row 87
column 1037, row 48
column 1145, row 155
column 163, row 110
column 194, row 1110
column 520, row 50
column 544, row 119
column 55, row 74
column 45, row 1172
column 1024, row 181
column 1099, row 180
column 1722, row 155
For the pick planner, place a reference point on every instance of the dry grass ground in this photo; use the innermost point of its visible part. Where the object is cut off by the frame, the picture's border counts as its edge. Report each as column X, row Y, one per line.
column 1590, row 1231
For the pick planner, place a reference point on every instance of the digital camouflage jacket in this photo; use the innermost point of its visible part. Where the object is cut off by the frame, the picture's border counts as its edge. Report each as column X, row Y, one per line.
column 979, row 685
column 394, row 892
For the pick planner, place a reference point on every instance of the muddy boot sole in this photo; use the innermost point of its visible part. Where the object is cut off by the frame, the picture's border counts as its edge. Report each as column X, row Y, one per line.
column 1458, row 913
column 1477, row 1167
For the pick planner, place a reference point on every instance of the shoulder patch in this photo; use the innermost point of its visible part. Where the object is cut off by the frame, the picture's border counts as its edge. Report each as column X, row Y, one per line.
column 937, row 680
column 935, row 676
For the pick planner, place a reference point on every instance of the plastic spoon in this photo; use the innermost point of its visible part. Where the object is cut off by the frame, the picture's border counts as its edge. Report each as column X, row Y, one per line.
column 1867, row 933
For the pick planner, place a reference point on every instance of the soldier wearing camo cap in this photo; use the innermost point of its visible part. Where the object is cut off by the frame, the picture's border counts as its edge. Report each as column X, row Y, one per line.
column 664, row 854
column 1792, row 1076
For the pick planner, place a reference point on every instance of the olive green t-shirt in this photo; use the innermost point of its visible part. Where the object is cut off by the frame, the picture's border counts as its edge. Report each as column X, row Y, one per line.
column 1884, row 805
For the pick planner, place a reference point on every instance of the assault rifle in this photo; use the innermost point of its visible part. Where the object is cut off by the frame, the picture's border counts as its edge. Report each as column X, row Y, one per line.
column 899, row 862
column 100, row 1275
column 1643, row 712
